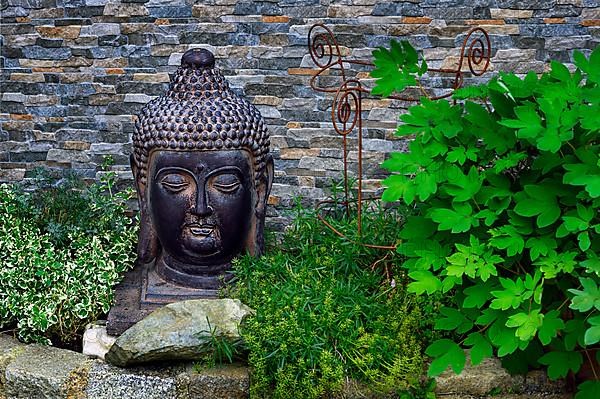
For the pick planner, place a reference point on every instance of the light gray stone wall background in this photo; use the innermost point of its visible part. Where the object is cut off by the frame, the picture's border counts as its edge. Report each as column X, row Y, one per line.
column 74, row 72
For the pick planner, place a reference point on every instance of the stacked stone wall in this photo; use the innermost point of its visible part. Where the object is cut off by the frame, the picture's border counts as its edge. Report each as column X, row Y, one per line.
column 74, row 72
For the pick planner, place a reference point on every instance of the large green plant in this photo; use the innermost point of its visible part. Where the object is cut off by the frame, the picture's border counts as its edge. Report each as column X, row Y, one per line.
column 62, row 249
column 507, row 184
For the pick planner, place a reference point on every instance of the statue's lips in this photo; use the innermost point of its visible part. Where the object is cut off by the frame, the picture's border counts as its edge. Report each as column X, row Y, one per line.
column 201, row 230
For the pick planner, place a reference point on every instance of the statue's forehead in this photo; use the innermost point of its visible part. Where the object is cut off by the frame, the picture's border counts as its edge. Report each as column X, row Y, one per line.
column 207, row 160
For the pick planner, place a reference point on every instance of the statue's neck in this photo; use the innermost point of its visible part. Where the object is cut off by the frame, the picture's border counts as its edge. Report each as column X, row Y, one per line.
column 192, row 275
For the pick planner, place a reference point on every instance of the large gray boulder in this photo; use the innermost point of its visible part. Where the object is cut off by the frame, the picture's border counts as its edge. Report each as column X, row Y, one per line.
column 178, row 331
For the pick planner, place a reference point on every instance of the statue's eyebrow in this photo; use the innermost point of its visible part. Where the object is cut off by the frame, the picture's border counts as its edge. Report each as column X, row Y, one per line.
column 172, row 168
column 222, row 169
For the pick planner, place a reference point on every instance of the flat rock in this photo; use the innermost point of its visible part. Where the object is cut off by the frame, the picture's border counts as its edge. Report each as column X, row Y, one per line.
column 489, row 378
column 178, row 331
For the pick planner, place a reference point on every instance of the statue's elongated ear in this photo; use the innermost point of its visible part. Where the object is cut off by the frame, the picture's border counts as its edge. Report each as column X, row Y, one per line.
column 263, row 190
column 148, row 246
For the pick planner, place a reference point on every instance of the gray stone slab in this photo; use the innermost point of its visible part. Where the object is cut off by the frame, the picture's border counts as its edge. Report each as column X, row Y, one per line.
column 226, row 382
column 109, row 382
column 46, row 372
column 10, row 348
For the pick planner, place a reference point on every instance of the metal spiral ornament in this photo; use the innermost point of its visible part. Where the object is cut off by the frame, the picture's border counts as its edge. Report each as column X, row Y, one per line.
column 346, row 107
column 322, row 46
column 479, row 51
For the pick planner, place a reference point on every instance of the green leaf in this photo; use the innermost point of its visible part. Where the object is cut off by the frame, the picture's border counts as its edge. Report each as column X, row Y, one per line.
column 511, row 297
column 588, row 390
column 583, row 239
column 480, row 347
column 399, row 186
column 526, row 324
column 560, row 363
column 550, row 327
column 574, row 333
column 477, row 295
column 503, row 338
column 452, row 319
column 540, row 245
column 463, row 187
column 591, row 67
column 592, row 264
column 425, row 281
column 458, row 221
column 425, row 185
column 592, row 334
column 395, row 69
column 583, row 174
column 586, row 299
column 541, row 201
column 445, row 353
column 507, row 237
column 529, row 122
column 559, row 71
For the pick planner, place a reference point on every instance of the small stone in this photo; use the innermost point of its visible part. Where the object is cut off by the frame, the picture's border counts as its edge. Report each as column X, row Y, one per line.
column 125, row 10
column 27, row 77
column 178, row 331
column 67, row 156
column 14, row 97
column 510, row 13
column 65, row 32
column 138, row 98
column 96, row 341
column 268, row 112
column 106, row 148
column 101, row 29
column 41, row 99
column 152, row 77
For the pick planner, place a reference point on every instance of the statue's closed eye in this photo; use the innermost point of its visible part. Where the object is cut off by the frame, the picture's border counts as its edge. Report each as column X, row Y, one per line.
column 226, row 183
column 174, row 182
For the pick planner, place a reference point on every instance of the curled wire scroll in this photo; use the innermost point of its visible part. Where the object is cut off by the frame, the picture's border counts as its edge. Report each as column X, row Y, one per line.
column 479, row 51
column 346, row 108
column 323, row 47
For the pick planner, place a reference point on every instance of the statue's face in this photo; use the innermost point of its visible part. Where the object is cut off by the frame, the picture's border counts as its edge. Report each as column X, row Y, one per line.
column 201, row 205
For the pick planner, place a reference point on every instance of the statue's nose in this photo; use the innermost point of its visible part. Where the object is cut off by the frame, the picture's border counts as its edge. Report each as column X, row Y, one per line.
column 201, row 207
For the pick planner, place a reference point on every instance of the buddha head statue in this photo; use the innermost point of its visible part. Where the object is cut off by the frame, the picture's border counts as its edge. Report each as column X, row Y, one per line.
column 203, row 173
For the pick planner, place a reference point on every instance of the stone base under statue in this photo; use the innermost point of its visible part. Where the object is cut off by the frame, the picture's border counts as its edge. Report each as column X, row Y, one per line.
column 143, row 291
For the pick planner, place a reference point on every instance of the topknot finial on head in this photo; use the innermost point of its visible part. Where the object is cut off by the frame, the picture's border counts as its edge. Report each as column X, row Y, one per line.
column 198, row 58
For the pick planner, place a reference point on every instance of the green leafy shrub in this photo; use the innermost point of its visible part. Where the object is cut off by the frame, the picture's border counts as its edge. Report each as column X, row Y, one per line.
column 507, row 187
column 325, row 312
column 63, row 247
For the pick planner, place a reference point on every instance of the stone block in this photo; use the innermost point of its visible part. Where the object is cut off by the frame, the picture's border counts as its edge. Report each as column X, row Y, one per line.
column 46, row 372
column 76, row 145
column 184, row 11
column 101, row 29
column 64, row 32
column 109, row 382
column 67, row 156
column 227, row 382
column 510, row 13
column 27, row 77
column 117, row 9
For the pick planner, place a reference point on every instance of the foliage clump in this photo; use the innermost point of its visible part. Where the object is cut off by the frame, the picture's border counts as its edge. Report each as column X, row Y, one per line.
column 506, row 180
column 325, row 312
column 63, row 247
